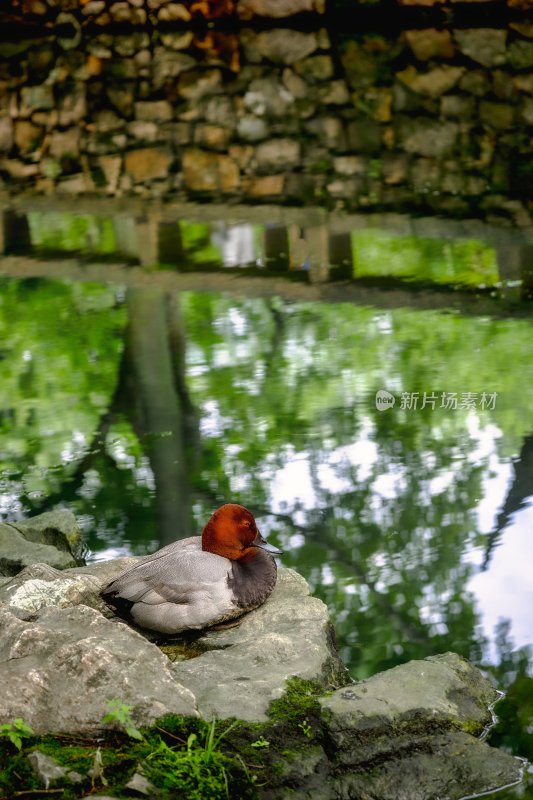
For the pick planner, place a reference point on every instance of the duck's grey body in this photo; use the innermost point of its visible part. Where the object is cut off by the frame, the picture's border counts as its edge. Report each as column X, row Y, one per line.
column 183, row 587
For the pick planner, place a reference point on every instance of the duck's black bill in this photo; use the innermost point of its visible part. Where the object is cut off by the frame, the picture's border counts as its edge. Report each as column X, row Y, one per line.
column 264, row 545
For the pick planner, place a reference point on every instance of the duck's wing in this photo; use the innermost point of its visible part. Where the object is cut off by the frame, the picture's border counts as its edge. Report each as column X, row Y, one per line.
column 174, row 578
column 176, row 588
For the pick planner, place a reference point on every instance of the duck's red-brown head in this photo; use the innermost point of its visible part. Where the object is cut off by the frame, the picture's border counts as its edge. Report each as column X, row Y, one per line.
column 231, row 532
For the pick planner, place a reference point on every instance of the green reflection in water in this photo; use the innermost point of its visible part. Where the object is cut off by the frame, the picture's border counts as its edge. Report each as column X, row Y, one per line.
column 378, row 509
column 191, row 245
column 60, row 352
column 463, row 262
column 65, row 232
column 197, row 244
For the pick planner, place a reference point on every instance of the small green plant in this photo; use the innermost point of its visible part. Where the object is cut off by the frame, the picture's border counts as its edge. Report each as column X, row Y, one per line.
column 16, row 731
column 120, row 714
column 199, row 771
column 261, row 742
column 305, row 728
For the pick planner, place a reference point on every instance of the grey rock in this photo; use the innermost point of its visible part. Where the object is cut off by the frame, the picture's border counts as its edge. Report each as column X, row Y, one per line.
column 197, row 84
column 351, row 165
column 449, row 766
column 65, row 143
column 295, row 85
column 219, row 110
column 458, row 106
column 144, row 130
column 247, row 667
column 487, row 46
column 122, row 97
column 317, row 68
column 334, row 93
column 106, row 121
column 404, row 733
column 433, row 83
column 168, row 64
column 128, row 44
column 6, row 134
column 49, row 771
column 427, row 137
column 138, row 783
column 177, row 40
column 246, row 9
column 425, row 174
column 105, row 571
column 475, row 82
column 58, row 528
column 40, row 585
column 45, row 768
column 36, row 97
column 284, row 46
column 267, row 97
column 59, row 671
column 439, row 692
column 153, row 110
column 496, row 115
column 252, row 129
column 278, row 154
column 364, row 136
column 290, row 635
column 329, row 132
column 346, row 187
column 17, row 552
column 93, row 8
column 73, row 106
column 521, row 54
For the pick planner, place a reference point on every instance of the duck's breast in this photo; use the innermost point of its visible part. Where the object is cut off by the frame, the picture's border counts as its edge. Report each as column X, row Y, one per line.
column 252, row 583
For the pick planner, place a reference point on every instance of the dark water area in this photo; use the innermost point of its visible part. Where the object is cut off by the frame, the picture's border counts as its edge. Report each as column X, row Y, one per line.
column 336, row 333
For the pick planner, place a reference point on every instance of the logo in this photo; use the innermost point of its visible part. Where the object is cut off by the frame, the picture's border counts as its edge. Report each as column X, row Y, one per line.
column 384, row 400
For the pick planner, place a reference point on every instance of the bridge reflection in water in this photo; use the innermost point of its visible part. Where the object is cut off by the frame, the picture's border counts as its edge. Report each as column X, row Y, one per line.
column 390, row 260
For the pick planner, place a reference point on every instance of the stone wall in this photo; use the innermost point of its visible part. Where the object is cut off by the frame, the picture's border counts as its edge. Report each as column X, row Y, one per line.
column 162, row 12
column 429, row 120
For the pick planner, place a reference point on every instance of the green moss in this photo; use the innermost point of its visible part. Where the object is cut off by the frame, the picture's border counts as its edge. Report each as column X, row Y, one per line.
column 299, row 701
column 321, row 166
column 16, row 772
column 177, row 755
column 183, row 756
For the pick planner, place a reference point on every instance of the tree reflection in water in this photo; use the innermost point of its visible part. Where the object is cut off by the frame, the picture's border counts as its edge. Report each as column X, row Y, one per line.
column 142, row 410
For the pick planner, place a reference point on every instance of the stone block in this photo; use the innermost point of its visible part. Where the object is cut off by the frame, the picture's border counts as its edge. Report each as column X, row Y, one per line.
column 264, row 185
column 28, row 136
column 213, row 137
column 426, row 137
column 278, row 154
column 151, row 163
column 486, row 46
column 207, row 172
column 430, row 43
column 65, row 143
column 154, row 111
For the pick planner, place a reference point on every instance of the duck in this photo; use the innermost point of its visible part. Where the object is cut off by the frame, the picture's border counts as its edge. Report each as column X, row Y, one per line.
column 201, row 581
